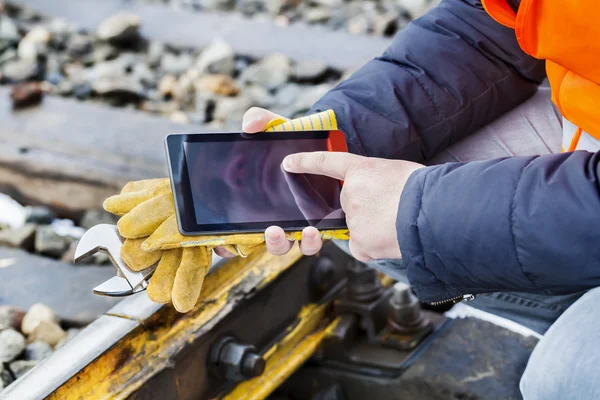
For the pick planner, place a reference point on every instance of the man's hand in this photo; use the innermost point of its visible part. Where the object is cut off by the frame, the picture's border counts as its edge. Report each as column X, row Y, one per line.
column 370, row 196
column 255, row 121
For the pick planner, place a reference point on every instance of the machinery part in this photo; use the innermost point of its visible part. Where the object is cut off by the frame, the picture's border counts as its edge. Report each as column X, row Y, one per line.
column 363, row 282
column 326, row 274
column 405, row 314
column 466, row 359
column 287, row 354
column 234, row 361
column 106, row 238
column 334, row 392
column 364, row 297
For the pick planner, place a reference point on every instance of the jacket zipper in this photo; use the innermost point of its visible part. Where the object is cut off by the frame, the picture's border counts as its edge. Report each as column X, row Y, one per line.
column 454, row 300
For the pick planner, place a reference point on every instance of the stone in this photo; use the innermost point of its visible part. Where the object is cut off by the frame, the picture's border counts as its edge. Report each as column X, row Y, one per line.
column 415, row 8
column 8, row 55
column 386, row 24
column 71, row 333
column 167, row 85
column 328, row 3
column 49, row 332
column 48, row 242
column 39, row 215
column 60, row 31
column 217, row 58
column 11, row 317
column 95, row 217
column 287, row 94
column 34, row 43
column 102, row 52
column 358, row 25
column 270, row 73
column 317, row 15
column 21, row 367
column 8, row 30
column 81, row 90
column 22, row 237
column 123, row 89
column 116, row 68
column 5, row 377
column 12, row 214
column 309, row 70
column 223, row 85
column 35, row 315
column 67, row 229
column 179, row 117
column 37, row 351
column 143, row 74
column 20, row 70
column 79, row 45
column 119, row 28
column 54, row 78
column 259, row 96
column 231, row 108
column 216, row 4
column 12, row 344
column 26, row 94
column 310, row 96
column 159, row 107
column 155, row 53
column 176, row 64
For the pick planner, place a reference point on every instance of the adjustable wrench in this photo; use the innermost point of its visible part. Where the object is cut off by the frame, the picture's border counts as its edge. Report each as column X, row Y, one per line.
column 106, row 238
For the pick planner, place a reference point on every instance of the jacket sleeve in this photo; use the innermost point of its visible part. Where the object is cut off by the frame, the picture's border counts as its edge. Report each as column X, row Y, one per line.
column 527, row 224
column 443, row 77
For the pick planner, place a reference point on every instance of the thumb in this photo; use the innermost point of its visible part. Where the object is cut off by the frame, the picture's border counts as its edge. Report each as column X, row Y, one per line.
column 331, row 164
column 256, row 119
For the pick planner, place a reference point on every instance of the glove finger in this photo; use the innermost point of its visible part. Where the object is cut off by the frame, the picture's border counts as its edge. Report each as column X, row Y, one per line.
column 135, row 258
column 195, row 263
column 161, row 283
column 144, row 219
column 146, row 184
column 121, row 204
column 324, row 120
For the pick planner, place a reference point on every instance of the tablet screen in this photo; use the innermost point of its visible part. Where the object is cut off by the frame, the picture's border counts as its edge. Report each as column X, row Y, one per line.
column 235, row 182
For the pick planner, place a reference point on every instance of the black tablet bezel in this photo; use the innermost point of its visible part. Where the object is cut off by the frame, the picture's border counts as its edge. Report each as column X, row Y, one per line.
column 182, row 194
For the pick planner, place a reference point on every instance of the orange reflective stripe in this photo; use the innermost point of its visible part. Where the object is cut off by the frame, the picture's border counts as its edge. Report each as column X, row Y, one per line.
column 501, row 12
column 575, row 140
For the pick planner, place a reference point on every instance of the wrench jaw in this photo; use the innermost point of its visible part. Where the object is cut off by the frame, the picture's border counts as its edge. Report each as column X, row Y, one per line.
column 106, row 238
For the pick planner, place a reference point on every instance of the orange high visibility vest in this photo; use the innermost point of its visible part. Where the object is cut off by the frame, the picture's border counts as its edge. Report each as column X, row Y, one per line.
column 566, row 34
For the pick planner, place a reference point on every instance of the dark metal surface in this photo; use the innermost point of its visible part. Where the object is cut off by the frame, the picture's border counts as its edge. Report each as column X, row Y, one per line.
column 467, row 360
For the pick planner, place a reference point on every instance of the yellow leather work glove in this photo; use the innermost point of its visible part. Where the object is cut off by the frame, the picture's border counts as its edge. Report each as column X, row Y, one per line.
column 149, row 226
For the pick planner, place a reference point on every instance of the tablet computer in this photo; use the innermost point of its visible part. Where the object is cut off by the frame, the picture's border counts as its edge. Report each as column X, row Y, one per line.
column 225, row 183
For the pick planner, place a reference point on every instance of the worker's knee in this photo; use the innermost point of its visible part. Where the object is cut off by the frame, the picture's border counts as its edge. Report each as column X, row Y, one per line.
column 564, row 365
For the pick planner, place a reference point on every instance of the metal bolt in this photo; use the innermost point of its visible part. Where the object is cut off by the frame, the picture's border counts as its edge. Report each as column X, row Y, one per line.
column 324, row 274
column 235, row 361
column 363, row 282
column 405, row 310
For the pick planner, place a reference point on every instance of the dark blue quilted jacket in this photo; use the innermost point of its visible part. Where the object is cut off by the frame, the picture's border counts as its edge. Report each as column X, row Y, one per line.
column 515, row 224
